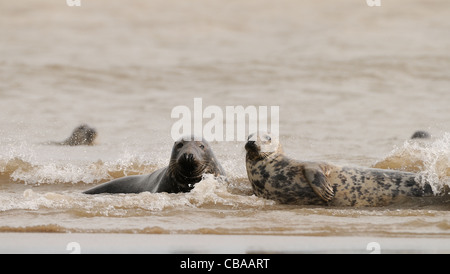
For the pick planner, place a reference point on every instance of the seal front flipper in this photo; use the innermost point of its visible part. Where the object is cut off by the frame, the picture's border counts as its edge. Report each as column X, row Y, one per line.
column 318, row 182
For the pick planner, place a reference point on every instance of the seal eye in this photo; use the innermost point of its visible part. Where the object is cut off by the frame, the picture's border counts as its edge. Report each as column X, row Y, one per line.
column 180, row 145
column 202, row 146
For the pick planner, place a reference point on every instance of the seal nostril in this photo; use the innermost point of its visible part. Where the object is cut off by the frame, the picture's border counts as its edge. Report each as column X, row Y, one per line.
column 189, row 157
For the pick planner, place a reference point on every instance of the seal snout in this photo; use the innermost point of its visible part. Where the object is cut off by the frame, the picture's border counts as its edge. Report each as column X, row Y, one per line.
column 188, row 158
column 251, row 146
column 188, row 162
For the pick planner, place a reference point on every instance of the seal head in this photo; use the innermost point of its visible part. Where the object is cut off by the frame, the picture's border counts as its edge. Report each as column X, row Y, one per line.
column 421, row 134
column 83, row 135
column 260, row 146
column 189, row 161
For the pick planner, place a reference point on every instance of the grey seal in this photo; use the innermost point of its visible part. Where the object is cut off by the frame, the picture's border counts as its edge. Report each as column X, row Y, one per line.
column 421, row 134
column 189, row 161
column 277, row 177
column 83, row 135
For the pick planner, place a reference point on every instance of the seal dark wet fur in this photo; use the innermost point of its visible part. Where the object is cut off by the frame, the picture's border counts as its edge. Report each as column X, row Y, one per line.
column 82, row 135
column 277, row 177
column 189, row 161
column 421, row 134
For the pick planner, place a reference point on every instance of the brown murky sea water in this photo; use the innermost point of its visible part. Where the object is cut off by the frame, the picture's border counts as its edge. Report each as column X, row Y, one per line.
column 352, row 84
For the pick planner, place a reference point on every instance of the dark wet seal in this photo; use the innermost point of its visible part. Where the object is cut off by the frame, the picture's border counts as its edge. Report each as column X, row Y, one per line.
column 82, row 135
column 421, row 134
column 277, row 177
column 189, row 162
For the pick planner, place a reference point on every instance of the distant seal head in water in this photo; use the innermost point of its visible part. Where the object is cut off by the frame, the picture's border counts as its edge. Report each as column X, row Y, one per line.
column 82, row 135
column 421, row 134
column 189, row 161
column 277, row 177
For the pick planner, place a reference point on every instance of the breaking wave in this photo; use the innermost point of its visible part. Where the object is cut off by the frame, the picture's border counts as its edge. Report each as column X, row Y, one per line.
column 20, row 170
column 429, row 158
column 210, row 192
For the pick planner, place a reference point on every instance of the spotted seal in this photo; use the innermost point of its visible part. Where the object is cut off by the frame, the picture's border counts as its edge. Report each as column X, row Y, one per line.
column 277, row 177
column 83, row 135
column 189, row 161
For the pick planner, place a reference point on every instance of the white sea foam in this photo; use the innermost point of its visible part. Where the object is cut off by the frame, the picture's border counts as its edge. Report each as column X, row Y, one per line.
column 436, row 159
column 210, row 192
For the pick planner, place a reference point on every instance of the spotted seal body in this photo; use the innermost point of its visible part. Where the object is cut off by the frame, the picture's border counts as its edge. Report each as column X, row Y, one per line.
column 189, row 161
column 277, row 177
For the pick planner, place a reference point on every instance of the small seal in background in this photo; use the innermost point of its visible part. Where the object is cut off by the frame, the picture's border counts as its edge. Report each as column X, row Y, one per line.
column 83, row 135
column 421, row 134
